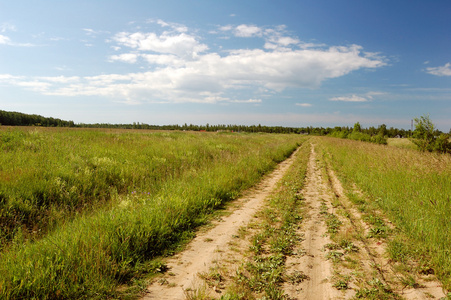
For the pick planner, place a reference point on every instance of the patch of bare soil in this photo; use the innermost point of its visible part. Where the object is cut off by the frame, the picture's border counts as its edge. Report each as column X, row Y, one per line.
column 212, row 246
column 310, row 255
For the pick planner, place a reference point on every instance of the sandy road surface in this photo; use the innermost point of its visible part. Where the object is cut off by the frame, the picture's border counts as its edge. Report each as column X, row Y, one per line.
column 208, row 247
column 311, row 258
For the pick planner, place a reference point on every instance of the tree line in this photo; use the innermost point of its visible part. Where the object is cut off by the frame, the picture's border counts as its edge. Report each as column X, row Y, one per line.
column 425, row 135
column 13, row 118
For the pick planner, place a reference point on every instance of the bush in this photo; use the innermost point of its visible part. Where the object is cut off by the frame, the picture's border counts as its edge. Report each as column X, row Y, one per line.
column 427, row 138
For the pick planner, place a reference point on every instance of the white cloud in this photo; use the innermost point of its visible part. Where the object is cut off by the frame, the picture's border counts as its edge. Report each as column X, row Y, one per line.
column 352, row 98
column 9, row 78
column 244, row 30
column 94, row 33
column 247, row 101
column 161, row 59
column 4, row 40
column 181, row 44
column 174, row 26
column 126, row 57
column 180, row 68
column 304, row 104
column 89, row 31
column 226, row 28
column 371, row 95
column 355, row 98
column 61, row 79
column 286, row 41
column 440, row 71
column 211, row 76
column 7, row 27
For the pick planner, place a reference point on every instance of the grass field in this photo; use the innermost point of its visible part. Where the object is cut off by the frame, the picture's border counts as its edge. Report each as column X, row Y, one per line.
column 413, row 188
column 401, row 143
column 83, row 211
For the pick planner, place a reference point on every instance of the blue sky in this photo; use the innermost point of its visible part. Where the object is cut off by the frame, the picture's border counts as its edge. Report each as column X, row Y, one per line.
column 289, row 63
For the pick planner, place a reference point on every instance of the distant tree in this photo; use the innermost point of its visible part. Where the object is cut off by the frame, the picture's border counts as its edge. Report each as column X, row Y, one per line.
column 423, row 134
column 357, row 127
column 442, row 143
column 382, row 130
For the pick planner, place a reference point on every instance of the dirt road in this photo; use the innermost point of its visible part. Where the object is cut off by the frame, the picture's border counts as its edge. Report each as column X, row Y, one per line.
column 209, row 247
column 337, row 254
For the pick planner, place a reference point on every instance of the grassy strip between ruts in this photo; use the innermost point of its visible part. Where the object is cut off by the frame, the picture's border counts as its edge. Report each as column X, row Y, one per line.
column 411, row 187
column 262, row 275
column 100, row 249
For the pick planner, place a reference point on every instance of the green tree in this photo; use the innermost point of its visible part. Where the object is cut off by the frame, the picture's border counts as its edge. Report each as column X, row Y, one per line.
column 423, row 134
column 357, row 127
column 382, row 130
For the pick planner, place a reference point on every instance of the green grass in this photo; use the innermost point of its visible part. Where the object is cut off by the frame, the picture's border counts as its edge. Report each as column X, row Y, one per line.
column 83, row 211
column 403, row 143
column 411, row 187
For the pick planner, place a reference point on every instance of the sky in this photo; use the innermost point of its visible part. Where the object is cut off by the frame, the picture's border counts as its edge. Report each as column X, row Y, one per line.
column 277, row 63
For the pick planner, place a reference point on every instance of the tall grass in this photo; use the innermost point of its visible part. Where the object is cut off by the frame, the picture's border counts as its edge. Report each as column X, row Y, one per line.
column 413, row 188
column 128, row 197
column 401, row 143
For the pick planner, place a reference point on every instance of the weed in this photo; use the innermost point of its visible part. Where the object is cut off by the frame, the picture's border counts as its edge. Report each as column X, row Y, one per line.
column 341, row 282
column 409, row 281
column 333, row 223
column 198, row 293
column 296, row 277
column 378, row 232
column 348, row 246
column 323, row 208
column 376, row 290
column 332, row 246
column 334, row 256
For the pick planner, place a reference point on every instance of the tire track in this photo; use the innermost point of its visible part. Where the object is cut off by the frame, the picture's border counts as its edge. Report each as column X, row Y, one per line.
column 311, row 257
column 213, row 245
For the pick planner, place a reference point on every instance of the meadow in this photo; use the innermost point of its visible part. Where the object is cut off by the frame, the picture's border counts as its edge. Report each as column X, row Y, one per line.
column 412, row 188
column 83, row 211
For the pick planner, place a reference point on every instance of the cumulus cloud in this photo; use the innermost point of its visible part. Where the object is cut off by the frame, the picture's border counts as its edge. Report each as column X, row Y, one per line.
column 125, row 57
column 180, row 68
column 304, row 104
column 226, row 28
column 212, row 76
column 180, row 44
column 440, row 71
column 244, row 30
